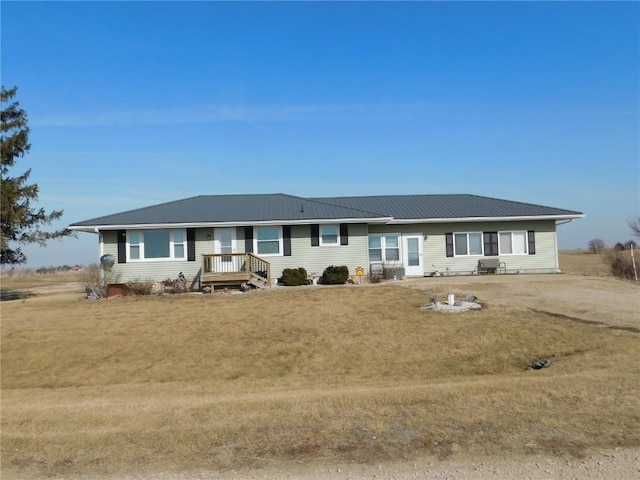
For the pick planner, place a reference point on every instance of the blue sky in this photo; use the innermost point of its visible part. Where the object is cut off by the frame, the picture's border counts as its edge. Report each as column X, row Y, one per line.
column 136, row 103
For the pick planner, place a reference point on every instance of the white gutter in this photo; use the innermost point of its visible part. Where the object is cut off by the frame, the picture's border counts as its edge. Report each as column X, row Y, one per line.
column 485, row 219
column 379, row 220
column 565, row 222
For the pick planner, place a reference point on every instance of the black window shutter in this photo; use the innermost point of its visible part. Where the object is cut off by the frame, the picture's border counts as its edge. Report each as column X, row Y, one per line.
column 532, row 242
column 449, row 242
column 248, row 239
column 191, row 244
column 490, row 240
column 122, row 246
column 286, row 241
column 344, row 234
column 315, row 235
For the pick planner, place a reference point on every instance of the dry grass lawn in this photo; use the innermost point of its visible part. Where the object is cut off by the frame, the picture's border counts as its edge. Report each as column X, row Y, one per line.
column 582, row 262
column 353, row 373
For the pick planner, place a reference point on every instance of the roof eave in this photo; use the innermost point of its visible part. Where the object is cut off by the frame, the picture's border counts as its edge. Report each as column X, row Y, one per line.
column 400, row 221
column 149, row 226
column 382, row 220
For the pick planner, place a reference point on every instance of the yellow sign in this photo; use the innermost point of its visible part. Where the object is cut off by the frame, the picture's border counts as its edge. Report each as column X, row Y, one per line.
column 359, row 271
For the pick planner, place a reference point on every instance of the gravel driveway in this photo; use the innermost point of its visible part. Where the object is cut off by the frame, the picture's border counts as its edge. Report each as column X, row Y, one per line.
column 616, row 464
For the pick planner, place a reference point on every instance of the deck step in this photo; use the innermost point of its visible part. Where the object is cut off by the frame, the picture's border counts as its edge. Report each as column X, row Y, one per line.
column 257, row 281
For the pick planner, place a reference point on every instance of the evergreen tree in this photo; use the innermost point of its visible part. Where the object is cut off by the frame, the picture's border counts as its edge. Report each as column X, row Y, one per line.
column 20, row 220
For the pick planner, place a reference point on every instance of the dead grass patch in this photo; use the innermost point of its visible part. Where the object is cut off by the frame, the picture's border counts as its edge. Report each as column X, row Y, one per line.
column 351, row 373
column 583, row 262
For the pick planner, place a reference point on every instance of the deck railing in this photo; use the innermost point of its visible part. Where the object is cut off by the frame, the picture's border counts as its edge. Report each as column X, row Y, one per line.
column 233, row 264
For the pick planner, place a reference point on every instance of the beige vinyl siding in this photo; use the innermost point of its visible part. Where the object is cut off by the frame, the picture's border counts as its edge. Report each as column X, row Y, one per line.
column 313, row 259
column 316, row 259
column 356, row 253
column 544, row 260
column 158, row 270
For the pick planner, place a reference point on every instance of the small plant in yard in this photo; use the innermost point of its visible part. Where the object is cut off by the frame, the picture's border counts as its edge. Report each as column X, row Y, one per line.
column 95, row 280
column 178, row 285
column 375, row 278
column 138, row 288
column 624, row 263
column 295, row 276
column 335, row 275
column 621, row 263
column 392, row 271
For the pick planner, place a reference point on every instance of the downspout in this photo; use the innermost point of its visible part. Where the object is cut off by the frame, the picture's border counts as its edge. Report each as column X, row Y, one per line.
column 556, row 242
column 101, row 242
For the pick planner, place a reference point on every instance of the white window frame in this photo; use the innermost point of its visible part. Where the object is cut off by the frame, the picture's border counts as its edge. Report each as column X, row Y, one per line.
column 383, row 247
column 511, row 232
column 280, row 242
column 331, row 244
column 171, row 258
column 455, row 254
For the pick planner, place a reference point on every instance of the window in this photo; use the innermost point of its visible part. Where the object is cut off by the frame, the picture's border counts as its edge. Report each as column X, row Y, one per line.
column 329, row 235
column 513, row 243
column 268, row 240
column 156, row 244
column 375, row 249
column 134, row 245
column 392, row 248
column 490, row 243
column 384, row 248
column 178, row 244
column 468, row 243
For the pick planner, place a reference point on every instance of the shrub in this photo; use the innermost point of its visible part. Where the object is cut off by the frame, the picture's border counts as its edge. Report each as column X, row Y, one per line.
column 375, row 278
column 392, row 271
column 95, row 280
column 138, row 288
column 335, row 275
column 621, row 264
column 294, row 276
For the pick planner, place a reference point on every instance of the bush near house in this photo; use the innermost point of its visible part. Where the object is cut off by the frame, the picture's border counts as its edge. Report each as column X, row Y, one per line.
column 335, row 275
column 295, row 276
column 620, row 263
column 138, row 288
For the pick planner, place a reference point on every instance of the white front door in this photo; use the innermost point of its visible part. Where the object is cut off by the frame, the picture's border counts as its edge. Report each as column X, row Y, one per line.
column 412, row 255
column 224, row 241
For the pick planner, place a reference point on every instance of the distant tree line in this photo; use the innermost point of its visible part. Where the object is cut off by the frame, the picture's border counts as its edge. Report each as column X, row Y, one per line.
column 596, row 245
column 63, row 268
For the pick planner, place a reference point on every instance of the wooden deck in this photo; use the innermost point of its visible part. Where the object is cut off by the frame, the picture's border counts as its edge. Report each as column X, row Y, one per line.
column 228, row 269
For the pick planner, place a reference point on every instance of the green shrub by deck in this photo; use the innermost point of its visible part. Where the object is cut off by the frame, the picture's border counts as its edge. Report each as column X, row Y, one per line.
column 294, row 276
column 335, row 275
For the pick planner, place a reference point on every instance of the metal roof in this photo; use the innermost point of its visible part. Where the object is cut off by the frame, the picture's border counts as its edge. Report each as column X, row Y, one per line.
column 253, row 208
column 447, row 206
column 282, row 208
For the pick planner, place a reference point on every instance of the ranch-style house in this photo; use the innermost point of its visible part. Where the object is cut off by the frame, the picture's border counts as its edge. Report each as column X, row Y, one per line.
column 226, row 239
